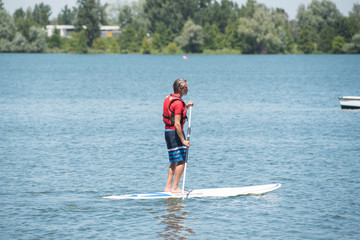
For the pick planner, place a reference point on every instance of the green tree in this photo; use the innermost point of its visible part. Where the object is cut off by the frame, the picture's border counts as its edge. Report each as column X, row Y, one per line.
column 354, row 46
column 133, row 15
column 156, row 41
column 287, row 41
column 211, row 39
column 125, row 16
column 19, row 14
column 54, row 41
column 191, row 39
column 72, row 42
column 337, row 44
column 317, row 15
column 208, row 37
column 101, row 11
column 219, row 41
column 5, row 45
column 347, row 27
column 140, row 34
column 114, row 46
column 279, row 17
column 219, row 13
column 81, row 46
column 37, row 39
column 7, row 31
column 226, row 13
column 259, row 34
column 172, row 48
column 203, row 15
column 355, row 13
column 67, row 16
column 88, row 16
column 304, row 41
column 214, row 16
column 326, row 37
column 166, row 35
column 19, row 44
column 100, row 43
column 146, row 46
column 7, row 26
column 231, row 36
column 23, row 25
column 128, row 40
column 1, row 5
column 187, row 8
column 41, row 14
column 250, row 8
column 351, row 25
column 166, row 12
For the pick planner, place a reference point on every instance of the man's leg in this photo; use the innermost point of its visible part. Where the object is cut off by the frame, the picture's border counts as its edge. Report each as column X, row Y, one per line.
column 178, row 173
column 171, row 173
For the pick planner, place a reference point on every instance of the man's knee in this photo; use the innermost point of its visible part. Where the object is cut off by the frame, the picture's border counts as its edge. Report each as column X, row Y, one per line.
column 180, row 163
column 175, row 164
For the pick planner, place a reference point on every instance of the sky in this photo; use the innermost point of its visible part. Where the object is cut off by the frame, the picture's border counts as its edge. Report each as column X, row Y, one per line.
column 290, row 6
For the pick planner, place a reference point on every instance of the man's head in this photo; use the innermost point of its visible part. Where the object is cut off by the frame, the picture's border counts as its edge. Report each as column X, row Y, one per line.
column 180, row 86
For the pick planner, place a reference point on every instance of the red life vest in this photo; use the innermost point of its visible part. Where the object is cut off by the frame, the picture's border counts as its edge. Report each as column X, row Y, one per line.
column 168, row 115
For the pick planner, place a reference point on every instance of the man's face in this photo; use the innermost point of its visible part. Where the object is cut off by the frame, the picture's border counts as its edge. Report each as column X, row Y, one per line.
column 184, row 89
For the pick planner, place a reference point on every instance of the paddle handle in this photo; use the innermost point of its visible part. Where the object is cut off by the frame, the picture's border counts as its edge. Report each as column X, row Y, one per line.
column 189, row 127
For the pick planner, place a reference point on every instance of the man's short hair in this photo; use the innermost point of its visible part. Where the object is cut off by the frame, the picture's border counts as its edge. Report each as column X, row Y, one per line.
column 180, row 82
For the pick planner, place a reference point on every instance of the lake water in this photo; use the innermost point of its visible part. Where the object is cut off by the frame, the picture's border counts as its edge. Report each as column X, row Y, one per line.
column 74, row 128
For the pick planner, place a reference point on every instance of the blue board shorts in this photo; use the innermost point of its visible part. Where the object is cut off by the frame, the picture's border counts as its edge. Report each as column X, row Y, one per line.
column 176, row 150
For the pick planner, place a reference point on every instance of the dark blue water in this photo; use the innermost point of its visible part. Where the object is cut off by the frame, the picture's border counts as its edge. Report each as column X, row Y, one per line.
column 74, row 128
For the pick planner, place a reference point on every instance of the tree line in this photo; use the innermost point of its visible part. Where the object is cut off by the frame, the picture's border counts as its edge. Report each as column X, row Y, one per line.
column 188, row 26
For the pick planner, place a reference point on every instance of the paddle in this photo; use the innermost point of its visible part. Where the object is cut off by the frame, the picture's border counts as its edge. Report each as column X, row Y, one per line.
column 187, row 152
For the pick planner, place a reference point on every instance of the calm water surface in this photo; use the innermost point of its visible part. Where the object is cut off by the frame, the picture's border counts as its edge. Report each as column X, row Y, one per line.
column 74, row 128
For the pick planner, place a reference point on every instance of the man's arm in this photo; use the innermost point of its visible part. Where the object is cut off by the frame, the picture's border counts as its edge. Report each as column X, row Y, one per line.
column 179, row 131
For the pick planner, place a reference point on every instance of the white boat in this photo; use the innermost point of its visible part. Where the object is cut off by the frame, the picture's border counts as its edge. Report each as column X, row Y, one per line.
column 350, row 101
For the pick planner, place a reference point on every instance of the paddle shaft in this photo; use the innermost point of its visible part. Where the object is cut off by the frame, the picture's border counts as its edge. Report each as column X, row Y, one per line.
column 187, row 152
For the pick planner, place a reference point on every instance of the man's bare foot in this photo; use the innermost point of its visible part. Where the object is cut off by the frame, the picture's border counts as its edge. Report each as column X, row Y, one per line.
column 167, row 189
column 178, row 190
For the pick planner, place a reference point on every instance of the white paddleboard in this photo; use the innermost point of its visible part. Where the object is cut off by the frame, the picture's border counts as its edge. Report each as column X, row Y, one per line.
column 211, row 192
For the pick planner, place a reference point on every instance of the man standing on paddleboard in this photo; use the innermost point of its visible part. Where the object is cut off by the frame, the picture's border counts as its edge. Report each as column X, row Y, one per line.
column 174, row 117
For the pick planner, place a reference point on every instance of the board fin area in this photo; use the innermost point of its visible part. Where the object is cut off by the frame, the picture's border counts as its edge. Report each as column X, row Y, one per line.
column 211, row 192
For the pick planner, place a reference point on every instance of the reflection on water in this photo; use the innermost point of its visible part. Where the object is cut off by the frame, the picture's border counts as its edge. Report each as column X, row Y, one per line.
column 174, row 220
